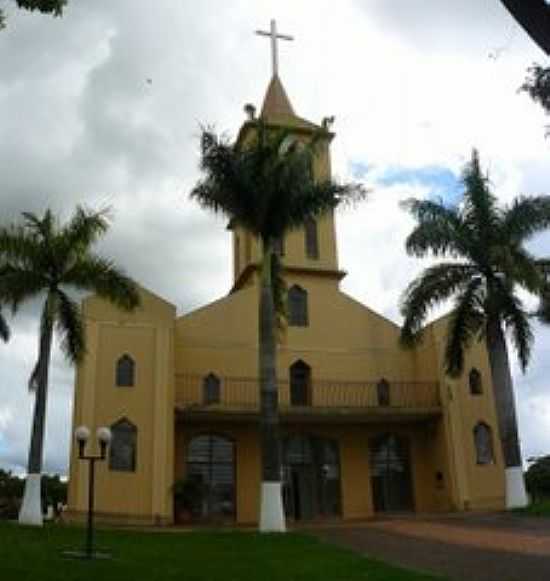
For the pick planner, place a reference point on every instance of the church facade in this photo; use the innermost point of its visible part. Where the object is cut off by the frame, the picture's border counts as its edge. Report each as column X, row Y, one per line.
column 366, row 426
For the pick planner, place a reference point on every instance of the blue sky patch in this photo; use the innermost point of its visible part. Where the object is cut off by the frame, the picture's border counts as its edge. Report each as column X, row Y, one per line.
column 359, row 170
column 440, row 180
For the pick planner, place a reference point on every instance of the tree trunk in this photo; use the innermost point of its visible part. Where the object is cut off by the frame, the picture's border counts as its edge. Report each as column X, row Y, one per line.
column 506, row 414
column 271, row 511
column 31, row 509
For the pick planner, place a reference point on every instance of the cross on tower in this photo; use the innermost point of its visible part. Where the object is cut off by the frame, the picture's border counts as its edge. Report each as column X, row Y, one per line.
column 274, row 35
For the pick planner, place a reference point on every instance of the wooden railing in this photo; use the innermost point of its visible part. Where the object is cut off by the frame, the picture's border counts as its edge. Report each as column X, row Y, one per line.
column 241, row 393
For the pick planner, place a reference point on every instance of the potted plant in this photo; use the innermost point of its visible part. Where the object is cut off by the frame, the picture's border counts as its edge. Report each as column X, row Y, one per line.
column 188, row 496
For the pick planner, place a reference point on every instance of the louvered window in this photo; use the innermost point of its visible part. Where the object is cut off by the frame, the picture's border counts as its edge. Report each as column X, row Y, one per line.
column 297, row 307
column 311, row 239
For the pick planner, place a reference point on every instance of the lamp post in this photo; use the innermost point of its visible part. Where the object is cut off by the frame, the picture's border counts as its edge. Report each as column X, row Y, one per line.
column 82, row 435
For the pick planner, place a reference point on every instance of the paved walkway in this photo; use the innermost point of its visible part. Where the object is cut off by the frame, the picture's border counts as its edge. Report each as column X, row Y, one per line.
column 465, row 547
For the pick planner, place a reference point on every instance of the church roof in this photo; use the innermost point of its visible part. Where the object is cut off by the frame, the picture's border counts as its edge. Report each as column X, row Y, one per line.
column 276, row 101
column 277, row 109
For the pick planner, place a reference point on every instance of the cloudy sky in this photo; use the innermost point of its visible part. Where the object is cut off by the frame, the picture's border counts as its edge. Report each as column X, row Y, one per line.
column 104, row 107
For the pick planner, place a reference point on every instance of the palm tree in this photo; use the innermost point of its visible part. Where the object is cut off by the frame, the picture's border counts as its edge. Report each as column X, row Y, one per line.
column 537, row 86
column 267, row 187
column 489, row 265
column 41, row 257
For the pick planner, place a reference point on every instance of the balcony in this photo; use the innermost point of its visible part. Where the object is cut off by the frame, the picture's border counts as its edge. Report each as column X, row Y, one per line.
column 238, row 399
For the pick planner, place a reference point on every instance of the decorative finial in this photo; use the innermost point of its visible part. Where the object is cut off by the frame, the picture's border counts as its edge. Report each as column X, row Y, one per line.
column 327, row 122
column 250, row 110
column 274, row 35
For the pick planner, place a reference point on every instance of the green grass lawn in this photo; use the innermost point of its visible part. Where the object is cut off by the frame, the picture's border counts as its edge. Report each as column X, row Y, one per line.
column 35, row 554
column 541, row 508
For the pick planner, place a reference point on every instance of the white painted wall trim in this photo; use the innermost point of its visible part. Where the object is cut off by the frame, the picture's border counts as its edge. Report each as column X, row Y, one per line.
column 516, row 496
column 272, row 516
column 31, row 508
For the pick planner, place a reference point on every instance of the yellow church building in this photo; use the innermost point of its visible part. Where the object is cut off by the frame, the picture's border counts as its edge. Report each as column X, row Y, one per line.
column 367, row 427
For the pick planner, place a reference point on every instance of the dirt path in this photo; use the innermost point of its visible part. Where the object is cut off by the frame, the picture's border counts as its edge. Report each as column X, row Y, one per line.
column 496, row 547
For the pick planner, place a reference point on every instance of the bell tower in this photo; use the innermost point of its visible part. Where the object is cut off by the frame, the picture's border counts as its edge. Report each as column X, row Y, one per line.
column 312, row 249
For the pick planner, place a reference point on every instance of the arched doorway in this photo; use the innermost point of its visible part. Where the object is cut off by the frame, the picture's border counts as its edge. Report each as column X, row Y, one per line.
column 311, row 470
column 211, row 464
column 300, row 383
column 390, row 468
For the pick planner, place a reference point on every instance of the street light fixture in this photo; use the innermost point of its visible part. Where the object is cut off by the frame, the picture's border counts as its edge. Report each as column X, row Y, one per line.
column 82, row 435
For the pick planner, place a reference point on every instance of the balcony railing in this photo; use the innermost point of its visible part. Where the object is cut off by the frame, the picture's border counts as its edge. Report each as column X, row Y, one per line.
column 242, row 394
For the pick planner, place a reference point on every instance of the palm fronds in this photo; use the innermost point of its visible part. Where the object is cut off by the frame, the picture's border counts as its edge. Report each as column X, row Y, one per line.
column 435, row 285
column 70, row 327
column 83, row 230
column 479, row 213
column 526, row 217
column 537, row 85
column 516, row 321
column 268, row 187
column 488, row 241
column 439, row 230
column 41, row 256
column 53, row 7
column 466, row 322
column 102, row 276
column 19, row 284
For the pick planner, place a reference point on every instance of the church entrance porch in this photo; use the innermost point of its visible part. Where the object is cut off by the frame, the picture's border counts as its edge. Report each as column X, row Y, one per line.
column 329, row 471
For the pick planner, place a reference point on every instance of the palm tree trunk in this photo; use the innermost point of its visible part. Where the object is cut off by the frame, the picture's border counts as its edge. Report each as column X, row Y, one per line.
column 31, row 509
column 271, row 511
column 506, row 414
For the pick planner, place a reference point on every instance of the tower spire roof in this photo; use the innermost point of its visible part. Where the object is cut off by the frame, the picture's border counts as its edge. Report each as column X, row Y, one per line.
column 276, row 101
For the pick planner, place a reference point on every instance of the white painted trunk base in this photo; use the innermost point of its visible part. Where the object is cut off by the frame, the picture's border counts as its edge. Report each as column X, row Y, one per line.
column 31, row 508
column 272, row 516
column 516, row 496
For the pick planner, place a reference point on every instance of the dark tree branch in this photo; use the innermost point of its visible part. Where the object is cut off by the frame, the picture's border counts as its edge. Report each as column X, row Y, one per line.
column 534, row 17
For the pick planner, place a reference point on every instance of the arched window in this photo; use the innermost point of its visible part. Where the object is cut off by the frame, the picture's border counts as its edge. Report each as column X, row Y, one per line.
column 390, row 468
column 300, row 384
column 383, row 392
column 211, row 464
column 125, row 371
column 211, row 389
column 311, row 239
column 123, row 447
column 311, row 476
column 476, row 385
column 297, row 307
column 483, row 439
